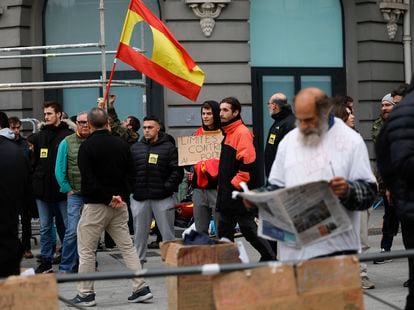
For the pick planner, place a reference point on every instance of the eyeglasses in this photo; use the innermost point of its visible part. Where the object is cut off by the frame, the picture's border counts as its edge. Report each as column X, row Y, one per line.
column 147, row 127
column 82, row 123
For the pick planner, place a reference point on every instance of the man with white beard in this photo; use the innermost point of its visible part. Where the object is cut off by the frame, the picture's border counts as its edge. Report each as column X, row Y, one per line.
column 322, row 147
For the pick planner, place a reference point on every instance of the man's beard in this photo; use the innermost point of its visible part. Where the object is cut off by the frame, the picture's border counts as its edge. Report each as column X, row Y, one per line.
column 313, row 137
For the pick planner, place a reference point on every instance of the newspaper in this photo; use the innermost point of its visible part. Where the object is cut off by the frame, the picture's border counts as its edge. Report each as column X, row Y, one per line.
column 299, row 215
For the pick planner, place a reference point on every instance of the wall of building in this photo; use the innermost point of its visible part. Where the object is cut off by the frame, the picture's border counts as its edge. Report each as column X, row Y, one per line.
column 374, row 63
column 14, row 31
column 19, row 27
column 224, row 57
column 380, row 64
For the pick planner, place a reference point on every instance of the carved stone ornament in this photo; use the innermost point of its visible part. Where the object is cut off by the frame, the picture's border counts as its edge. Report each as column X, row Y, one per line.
column 207, row 11
column 391, row 11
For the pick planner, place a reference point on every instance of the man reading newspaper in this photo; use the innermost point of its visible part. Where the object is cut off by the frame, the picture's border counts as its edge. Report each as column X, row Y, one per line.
column 323, row 148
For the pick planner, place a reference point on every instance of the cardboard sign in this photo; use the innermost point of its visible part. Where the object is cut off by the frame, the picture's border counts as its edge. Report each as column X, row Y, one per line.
column 192, row 149
column 29, row 292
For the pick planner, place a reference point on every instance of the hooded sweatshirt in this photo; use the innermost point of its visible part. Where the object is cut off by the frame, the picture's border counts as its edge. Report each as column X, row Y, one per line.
column 7, row 133
column 206, row 171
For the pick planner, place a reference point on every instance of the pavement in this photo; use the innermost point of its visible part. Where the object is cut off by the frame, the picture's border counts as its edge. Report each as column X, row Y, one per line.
column 388, row 277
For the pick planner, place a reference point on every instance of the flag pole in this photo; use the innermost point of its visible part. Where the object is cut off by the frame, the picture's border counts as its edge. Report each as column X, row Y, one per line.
column 108, row 85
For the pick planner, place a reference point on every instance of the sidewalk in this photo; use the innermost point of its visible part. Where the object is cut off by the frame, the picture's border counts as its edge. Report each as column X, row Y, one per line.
column 388, row 277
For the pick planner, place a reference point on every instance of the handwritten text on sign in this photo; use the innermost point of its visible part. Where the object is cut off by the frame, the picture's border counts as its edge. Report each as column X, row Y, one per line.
column 192, row 149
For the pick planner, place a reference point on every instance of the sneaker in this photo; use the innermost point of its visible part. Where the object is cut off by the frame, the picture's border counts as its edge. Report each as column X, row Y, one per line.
column 380, row 261
column 56, row 259
column 87, row 301
column 44, row 268
column 141, row 295
column 366, row 283
column 28, row 254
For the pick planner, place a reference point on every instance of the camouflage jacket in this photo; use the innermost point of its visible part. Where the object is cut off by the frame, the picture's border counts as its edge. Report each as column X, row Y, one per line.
column 376, row 128
column 117, row 129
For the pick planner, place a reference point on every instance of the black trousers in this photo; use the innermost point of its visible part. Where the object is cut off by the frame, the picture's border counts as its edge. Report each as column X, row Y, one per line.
column 26, row 222
column 227, row 220
column 390, row 225
column 11, row 252
column 407, row 230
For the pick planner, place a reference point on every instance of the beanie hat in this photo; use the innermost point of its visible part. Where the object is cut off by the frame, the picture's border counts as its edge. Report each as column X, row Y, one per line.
column 388, row 98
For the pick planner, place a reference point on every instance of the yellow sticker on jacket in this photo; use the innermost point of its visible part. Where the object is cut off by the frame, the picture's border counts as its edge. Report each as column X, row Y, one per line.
column 272, row 139
column 43, row 153
column 153, row 159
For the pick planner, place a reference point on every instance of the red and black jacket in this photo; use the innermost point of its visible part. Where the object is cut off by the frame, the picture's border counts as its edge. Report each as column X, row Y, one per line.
column 237, row 162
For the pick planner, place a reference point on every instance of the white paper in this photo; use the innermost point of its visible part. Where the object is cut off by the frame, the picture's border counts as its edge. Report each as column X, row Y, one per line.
column 299, row 215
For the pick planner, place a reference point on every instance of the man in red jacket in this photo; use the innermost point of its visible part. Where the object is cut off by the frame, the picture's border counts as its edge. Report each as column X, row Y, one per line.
column 237, row 164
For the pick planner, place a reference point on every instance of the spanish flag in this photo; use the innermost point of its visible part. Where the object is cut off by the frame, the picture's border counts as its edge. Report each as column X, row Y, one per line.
column 170, row 64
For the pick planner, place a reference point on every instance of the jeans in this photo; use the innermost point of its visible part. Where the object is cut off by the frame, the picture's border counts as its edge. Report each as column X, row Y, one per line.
column 70, row 248
column 390, row 225
column 46, row 212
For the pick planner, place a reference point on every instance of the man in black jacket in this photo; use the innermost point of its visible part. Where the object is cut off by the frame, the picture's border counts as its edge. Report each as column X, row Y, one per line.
column 105, row 165
column 157, row 177
column 395, row 160
column 50, row 201
column 14, row 187
column 284, row 121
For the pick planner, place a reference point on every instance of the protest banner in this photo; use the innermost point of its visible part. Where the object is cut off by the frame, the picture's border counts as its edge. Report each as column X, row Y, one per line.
column 192, row 149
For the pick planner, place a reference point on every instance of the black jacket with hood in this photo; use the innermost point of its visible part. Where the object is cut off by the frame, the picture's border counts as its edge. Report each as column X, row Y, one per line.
column 14, row 188
column 46, row 143
column 156, row 171
column 395, row 156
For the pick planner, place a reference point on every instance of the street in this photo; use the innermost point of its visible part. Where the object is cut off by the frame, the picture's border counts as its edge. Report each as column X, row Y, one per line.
column 388, row 277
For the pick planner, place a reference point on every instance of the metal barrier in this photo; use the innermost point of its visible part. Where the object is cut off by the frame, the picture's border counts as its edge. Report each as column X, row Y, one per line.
column 212, row 269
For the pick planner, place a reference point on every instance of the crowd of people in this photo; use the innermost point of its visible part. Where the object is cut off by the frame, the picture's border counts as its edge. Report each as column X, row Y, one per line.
column 91, row 175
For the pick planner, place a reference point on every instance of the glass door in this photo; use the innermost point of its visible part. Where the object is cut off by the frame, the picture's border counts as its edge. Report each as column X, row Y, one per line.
column 267, row 81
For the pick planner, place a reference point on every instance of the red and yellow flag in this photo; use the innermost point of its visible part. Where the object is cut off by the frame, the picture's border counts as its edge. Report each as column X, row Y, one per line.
column 170, row 64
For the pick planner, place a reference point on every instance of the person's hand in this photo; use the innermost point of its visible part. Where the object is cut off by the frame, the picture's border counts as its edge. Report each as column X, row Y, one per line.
column 190, row 176
column 100, row 102
column 339, row 186
column 248, row 204
column 117, row 202
column 388, row 196
column 112, row 99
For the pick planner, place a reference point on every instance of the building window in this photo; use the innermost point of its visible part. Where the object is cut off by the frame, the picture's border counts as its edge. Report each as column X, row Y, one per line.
column 77, row 21
column 294, row 44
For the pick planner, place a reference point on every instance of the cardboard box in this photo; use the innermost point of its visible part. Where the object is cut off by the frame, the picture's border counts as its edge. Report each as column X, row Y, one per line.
column 327, row 283
column 330, row 283
column 260, row 288
column 195, row 291
column 29, row 292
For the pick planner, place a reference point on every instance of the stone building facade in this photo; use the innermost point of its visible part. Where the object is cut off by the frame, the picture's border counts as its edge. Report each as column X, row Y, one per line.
column 234, row 54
